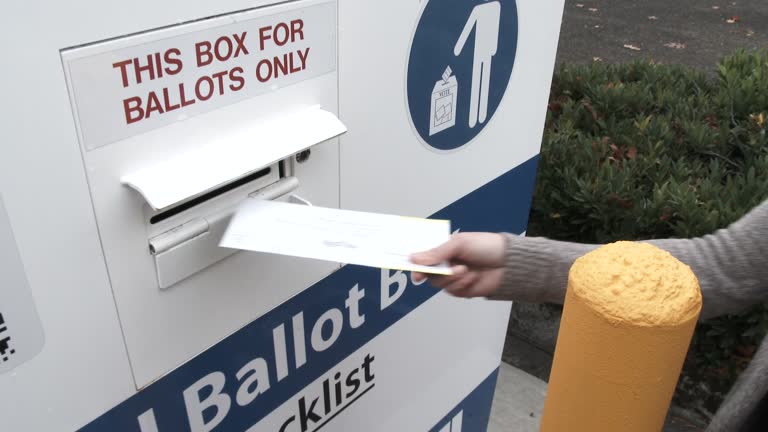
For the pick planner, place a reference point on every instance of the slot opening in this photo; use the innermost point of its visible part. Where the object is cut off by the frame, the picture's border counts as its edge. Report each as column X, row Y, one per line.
column 173, row 211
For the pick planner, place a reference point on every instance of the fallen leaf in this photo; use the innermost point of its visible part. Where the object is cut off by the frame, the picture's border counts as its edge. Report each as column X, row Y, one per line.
column 632, row 47
column 746, row 351
column 626, row 203
column 653, row 17
column 712, row 122
column 592, row 9
column 597, row 59
column 632, row 153
column 675, row 45
column 733, row 20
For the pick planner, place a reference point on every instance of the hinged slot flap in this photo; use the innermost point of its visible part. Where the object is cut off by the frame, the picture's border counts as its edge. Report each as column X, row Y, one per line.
column 232, row 155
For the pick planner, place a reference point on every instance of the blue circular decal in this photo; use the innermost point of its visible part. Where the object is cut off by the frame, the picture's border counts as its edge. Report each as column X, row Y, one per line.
column 459, row 67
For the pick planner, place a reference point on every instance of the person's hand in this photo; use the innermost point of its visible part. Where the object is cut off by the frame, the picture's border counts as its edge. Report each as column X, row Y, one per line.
column 477, row 261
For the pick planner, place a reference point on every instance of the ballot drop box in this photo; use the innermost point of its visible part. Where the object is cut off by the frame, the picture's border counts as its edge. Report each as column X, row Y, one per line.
column 132, row 131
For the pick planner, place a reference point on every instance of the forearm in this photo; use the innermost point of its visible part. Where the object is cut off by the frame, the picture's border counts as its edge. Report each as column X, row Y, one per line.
column 536, row 269
column 731, row 265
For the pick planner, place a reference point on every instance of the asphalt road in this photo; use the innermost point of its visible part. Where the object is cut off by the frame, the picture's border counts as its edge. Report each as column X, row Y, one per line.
column 692, row 32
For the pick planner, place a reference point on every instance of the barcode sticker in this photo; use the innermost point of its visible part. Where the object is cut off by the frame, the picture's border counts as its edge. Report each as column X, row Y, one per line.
column 21, row 334
column 5, row 341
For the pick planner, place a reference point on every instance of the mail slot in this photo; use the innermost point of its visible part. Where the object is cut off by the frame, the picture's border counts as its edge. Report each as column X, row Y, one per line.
column 192, row 197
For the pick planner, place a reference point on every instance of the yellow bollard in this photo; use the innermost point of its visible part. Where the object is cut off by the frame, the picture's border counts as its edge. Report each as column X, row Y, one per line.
column 629, row 315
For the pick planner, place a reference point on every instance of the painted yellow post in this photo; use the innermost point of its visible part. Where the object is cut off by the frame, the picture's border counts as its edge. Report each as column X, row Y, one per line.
column 629, row 315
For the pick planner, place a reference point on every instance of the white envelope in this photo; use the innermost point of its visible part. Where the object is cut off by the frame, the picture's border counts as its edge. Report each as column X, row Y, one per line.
column 343, row 236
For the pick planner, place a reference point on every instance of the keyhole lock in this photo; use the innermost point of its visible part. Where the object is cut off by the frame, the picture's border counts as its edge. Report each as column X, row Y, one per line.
column 303, row 156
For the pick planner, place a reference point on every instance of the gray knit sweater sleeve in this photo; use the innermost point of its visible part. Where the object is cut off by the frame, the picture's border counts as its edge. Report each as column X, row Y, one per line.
column 731, row 264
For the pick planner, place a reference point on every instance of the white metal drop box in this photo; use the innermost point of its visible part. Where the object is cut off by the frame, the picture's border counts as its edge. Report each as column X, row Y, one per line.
column 132, row 131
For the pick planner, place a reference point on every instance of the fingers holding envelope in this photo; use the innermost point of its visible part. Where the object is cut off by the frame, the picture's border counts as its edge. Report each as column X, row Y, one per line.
column 476, row 262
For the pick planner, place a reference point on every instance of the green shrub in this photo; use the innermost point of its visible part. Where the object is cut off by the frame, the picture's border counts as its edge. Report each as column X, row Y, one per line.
column 641, row 151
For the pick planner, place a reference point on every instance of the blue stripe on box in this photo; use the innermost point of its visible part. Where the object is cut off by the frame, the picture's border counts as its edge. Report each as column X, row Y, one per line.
column 501, row 205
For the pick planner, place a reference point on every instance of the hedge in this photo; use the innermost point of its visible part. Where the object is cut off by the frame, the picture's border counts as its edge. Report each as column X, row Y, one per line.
column 642, row 150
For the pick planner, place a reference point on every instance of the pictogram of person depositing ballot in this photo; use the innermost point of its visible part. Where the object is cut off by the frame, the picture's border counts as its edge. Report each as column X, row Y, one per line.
column 484, row 19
